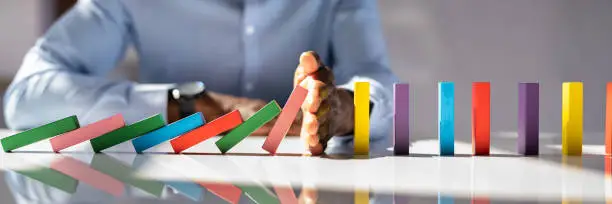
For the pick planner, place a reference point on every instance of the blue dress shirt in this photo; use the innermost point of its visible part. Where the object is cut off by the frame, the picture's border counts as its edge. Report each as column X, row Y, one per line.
column 246, row 48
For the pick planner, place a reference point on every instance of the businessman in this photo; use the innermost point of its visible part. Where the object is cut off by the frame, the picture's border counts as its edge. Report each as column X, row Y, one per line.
column 210, row 56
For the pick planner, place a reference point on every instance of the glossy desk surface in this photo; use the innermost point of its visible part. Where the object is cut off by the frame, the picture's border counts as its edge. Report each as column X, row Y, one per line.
column 207, row 177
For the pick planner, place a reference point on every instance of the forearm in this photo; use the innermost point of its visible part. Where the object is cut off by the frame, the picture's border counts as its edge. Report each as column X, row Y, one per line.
column 51, row 95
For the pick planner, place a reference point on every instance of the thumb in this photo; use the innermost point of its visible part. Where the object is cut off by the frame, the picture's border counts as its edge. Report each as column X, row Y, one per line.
column 309, row 61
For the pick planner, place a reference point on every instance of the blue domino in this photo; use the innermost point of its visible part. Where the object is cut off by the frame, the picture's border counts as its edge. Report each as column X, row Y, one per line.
column 446, row 117
column 168, row 132
column 190, row 190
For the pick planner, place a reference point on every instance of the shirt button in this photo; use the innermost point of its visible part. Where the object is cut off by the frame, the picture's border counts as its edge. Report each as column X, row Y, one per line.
column 249, row 30
column 249, row 86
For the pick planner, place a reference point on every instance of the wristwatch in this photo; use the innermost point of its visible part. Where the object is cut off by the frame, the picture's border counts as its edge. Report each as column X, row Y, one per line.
column 185, row 95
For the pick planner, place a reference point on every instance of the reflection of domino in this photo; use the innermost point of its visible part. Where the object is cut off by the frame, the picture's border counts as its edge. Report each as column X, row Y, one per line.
column 87, row 133
column 82, row 172
column 446, row 117
column 285, row 119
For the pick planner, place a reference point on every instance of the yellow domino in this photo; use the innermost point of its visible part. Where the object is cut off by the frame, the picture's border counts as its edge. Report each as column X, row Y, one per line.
column 571, row 118
column 362, row 118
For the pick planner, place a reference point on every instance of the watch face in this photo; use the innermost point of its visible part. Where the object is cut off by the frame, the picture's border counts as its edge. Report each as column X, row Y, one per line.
column 191, row 88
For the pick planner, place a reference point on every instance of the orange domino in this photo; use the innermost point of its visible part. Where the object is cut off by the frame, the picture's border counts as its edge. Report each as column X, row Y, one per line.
column 609, row 119
column 481, row 117
column 284, row 121
column 211, row 129
column 87, row 133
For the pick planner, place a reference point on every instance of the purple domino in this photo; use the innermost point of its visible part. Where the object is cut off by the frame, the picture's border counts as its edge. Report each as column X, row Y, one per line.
column 528, row 118
column 401, row 119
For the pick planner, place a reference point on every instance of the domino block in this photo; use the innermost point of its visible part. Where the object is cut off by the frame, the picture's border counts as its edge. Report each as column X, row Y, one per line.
column 227, row 192
column 87, row 133
column 259, row 194
column 571, row 118
column 168, row 132
column 82, row 172
column 362, row 118
column 528, row 119
column 190, row 190
column 211, row 129
column 608, row 131
column 401, row 119
column 446, row 117
column 125, row 173
column 127, row 133
column 285, row 119
column 260, row 118
column 481, row 118
column 39, row 133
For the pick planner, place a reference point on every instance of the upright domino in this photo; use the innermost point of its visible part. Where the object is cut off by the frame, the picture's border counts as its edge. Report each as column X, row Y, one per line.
column 528, row 119
column 362, row 118
column 481, row 118
column 285, row 119
column 168, row 132
column 446, row 117
column 87, row 133
column 571, row 118
column 401, row 119
column 608, row 131
column 39, row 133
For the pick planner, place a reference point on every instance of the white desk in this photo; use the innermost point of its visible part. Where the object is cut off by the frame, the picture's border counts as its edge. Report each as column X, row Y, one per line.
column 420, row 178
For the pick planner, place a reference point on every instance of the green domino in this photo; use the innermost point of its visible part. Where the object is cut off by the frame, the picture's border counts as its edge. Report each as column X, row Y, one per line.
column 127, row 133
column 126, row 174
column 52, row 178
column 40, row 133
column 263, row 116
column 259, row 194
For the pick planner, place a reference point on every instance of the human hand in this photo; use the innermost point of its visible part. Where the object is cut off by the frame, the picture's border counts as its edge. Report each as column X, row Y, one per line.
column 327, row 110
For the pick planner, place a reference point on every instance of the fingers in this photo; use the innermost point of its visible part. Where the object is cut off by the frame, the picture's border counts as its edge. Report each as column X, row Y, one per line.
column 310, row 62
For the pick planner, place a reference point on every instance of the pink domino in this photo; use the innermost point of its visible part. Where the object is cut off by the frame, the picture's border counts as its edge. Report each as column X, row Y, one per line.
column 87, row 132
column 86, row 174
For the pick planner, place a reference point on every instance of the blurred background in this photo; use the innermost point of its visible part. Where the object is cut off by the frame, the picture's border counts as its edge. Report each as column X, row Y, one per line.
column 504, row 42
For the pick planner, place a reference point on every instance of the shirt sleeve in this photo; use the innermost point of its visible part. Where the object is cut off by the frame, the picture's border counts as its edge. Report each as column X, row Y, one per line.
column 359, row 54
column 65, row 73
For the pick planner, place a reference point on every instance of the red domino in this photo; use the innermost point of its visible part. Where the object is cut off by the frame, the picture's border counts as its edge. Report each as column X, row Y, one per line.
column 87, row 133
column 481, row 118
column 86, row 174
column 284, row 121
column 227, row 192
column 215, row 127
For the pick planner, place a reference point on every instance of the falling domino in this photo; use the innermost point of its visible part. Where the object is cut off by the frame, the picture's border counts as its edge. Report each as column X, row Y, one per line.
column 127, row 133
column 446, row 118
column 260, row 118
column 211, row 129
column 87, row 133
column 362, row 118
column 39, row 133
column 608, row 131
column 168, row 132
column 528, row 119
column 285, row 119
column 481, row 118
column 82, row 172
column 571, row 118
column 401, row 119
